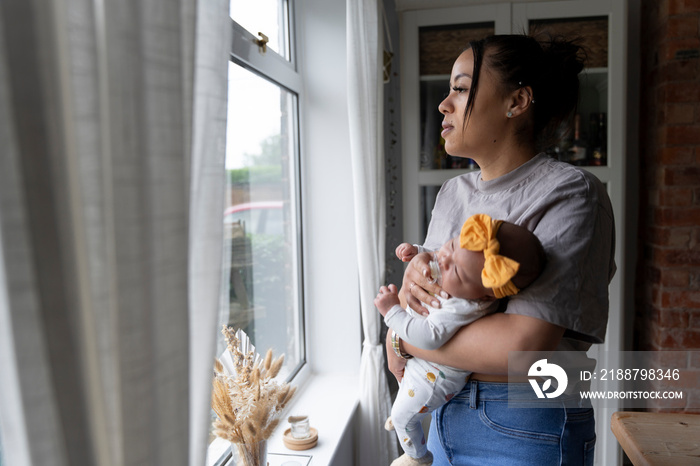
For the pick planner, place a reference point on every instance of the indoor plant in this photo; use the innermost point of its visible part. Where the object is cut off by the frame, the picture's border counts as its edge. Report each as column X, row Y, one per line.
column 246, row 398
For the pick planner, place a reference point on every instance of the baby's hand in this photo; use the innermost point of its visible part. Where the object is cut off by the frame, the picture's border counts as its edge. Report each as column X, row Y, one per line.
column 406, row 252
column 387, row 298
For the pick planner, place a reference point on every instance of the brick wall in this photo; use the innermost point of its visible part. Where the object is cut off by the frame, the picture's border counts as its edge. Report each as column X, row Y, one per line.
column 668, row 275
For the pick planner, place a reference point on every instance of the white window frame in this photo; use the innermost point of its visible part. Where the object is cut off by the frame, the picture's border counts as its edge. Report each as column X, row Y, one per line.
column 328, row 384
column 271, row 66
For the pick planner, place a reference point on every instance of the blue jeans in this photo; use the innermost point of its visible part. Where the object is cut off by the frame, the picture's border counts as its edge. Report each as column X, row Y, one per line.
column 478, row 428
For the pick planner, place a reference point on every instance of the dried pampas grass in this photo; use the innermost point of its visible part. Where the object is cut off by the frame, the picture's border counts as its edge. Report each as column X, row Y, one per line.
column 248, row 403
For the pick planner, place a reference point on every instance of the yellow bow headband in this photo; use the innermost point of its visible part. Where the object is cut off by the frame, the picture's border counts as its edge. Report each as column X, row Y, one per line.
column 479, row 234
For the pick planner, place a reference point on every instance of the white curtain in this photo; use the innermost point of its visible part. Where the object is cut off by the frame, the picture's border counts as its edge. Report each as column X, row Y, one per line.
column 112, row 127
column 365, row 99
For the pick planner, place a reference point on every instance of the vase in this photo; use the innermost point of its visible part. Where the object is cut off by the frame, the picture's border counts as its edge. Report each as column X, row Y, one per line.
column 249, row 454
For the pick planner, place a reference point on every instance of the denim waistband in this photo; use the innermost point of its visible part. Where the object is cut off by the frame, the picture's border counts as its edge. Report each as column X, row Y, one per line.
column 495, row 390
column 516, row 394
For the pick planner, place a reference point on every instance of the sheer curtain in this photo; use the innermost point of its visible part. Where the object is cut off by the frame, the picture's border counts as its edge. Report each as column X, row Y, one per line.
column 112, row 127
column 365, row 81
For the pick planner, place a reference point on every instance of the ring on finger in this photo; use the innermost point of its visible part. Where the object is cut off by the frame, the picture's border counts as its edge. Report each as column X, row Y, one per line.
column 410, row 287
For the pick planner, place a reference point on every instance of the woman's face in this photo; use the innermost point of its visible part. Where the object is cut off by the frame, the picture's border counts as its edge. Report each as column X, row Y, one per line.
column 460, row 270
column 487, row 124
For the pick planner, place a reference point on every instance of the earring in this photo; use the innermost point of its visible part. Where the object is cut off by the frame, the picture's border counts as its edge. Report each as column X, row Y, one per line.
column 509, row 114
column 532, row 101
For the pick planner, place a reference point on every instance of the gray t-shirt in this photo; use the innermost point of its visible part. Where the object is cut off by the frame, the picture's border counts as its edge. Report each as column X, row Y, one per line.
column 570, row 212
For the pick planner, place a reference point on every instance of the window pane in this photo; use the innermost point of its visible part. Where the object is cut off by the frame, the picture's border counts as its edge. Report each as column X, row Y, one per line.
column 261, row 221
column 271, row 17
column 438, row 48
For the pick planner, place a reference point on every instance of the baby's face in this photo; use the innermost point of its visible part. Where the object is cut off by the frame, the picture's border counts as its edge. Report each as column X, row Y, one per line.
column 461, row 271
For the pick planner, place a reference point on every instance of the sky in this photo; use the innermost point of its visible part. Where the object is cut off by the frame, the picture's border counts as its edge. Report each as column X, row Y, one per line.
column 253, row 103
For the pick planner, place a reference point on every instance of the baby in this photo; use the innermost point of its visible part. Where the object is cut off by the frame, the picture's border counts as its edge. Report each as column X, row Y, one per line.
column 489, row 260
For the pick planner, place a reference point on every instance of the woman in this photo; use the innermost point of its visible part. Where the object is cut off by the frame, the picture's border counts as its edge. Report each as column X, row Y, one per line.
column 508, row 95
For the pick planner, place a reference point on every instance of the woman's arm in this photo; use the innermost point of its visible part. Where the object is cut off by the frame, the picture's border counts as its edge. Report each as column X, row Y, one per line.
column 440, row 326
column 483, row 345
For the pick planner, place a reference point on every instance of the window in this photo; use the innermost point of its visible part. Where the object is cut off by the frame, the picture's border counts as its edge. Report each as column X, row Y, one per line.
column 262, row 228
column 328, row 380
column 271, row 17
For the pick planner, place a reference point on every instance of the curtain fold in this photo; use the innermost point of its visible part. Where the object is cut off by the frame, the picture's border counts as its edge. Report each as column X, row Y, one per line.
column 365, row 107
column 207, row 185
column 112, row 117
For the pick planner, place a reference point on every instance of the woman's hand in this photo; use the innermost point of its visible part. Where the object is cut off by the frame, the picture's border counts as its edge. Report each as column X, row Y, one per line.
column 396, row 364
column 418, row 285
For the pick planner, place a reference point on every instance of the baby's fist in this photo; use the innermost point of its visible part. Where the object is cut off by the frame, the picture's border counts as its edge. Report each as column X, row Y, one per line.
column 387, row 298
column 406, row 251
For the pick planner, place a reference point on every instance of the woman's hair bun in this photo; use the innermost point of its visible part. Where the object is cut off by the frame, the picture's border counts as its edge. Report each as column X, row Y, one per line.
column 550, row 65
column 557, row 97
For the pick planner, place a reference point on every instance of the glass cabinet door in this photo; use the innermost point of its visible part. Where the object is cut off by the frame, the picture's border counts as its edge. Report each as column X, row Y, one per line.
column 439, row 46
column 584, row 137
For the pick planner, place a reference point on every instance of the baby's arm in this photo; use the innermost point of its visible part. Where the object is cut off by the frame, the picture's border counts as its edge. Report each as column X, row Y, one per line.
column 441, row 324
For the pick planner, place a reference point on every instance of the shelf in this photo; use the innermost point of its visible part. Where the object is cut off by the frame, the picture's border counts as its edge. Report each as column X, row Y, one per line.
column 590, row 71
column 602, row 173
column 435, row 77
column 596, row 78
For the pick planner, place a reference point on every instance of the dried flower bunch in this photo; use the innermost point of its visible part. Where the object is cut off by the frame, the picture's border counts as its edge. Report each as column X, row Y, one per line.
column 248, row 402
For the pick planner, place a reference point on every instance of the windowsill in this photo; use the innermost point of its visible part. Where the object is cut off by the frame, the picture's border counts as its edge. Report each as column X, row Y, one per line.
column 330, row 401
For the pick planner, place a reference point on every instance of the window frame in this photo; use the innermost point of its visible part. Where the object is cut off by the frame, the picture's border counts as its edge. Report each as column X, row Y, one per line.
column 333, row 334
column 271, row 65
column 275, row 68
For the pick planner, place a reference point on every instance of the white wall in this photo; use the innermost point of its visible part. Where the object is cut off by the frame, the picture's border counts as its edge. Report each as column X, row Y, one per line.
column 332, row 298
column 332, row 291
